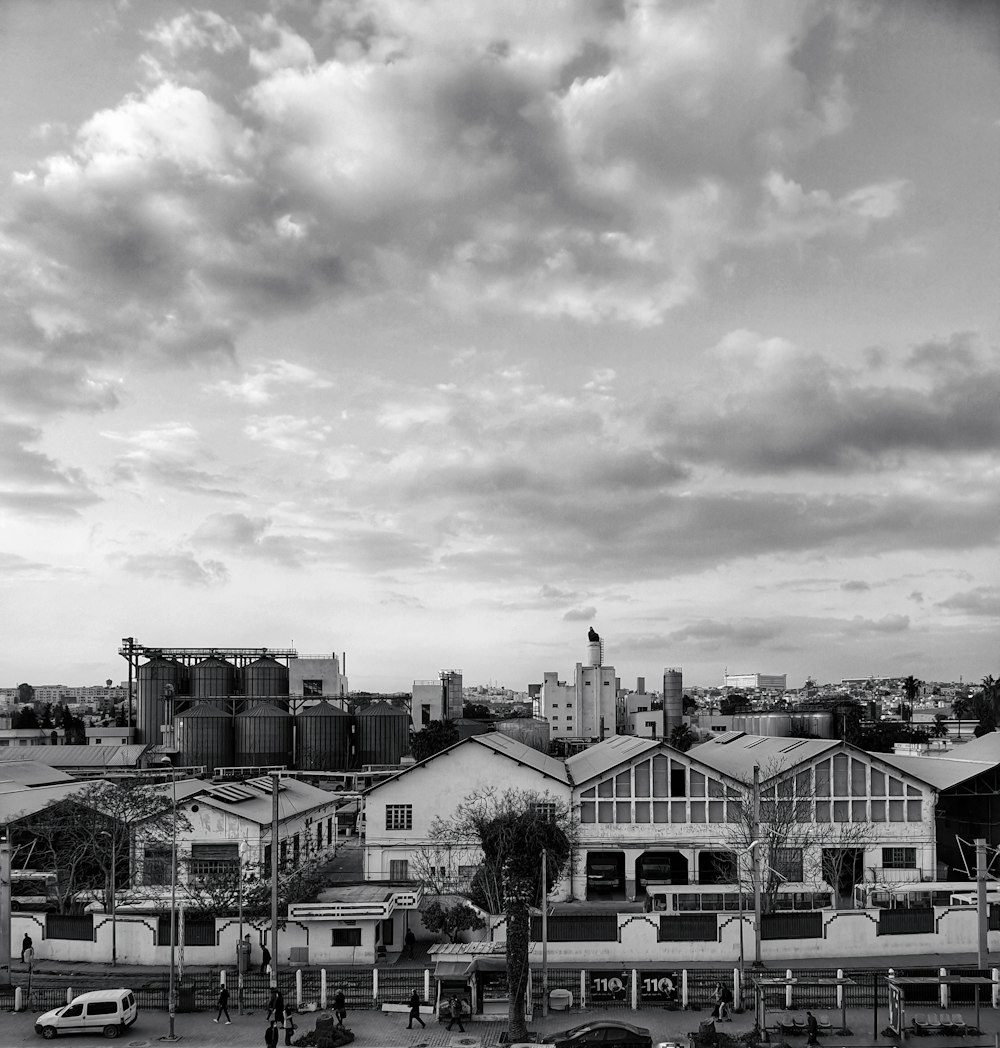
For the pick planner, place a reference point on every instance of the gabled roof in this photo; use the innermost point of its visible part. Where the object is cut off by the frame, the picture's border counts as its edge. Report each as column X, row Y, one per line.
column 19, row 804
column 498, row 743
column 79, row 756
column 734, row 753
column 609, row 753
column 943, row 771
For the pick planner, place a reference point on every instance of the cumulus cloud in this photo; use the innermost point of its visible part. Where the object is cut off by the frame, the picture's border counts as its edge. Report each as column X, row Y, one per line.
column 886, row 624
column 744, row 632
column 268, row 380
column 855, row 586
column 33, row 483
column 587, row 614
column 182, row 568
column 981, row 601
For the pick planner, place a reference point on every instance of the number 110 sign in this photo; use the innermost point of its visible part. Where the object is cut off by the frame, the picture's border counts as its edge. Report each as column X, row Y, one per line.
column 658, row 986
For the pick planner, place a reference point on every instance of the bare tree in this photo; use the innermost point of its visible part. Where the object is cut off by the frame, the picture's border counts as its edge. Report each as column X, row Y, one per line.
column 509, row 831
column 774, row 833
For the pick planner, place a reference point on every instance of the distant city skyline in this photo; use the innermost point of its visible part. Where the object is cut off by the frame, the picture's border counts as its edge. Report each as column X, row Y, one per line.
column 435, row 333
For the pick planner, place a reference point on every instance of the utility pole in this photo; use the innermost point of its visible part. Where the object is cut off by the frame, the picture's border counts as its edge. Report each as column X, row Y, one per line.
column 275, row 783
column 755, row 859
column 545, row 935
column 4, row 905
column 982, row 958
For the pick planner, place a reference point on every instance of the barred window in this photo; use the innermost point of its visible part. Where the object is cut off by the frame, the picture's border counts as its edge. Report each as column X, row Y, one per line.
column 399, row 816
column 899, row 858
column 346, row 937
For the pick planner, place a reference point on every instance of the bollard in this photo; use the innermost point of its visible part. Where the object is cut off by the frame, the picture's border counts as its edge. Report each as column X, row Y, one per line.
column 18, row 999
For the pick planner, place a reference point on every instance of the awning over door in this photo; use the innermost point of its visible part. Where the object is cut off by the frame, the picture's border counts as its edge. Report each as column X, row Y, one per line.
column 451, row 969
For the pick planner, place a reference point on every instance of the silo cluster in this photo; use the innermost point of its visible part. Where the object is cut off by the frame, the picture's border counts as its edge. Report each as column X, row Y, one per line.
column 240, row 716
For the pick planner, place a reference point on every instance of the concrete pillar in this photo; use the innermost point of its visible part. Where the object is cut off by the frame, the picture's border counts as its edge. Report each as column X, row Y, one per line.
column 322, row 988
column 943, row 988
column 788, row 990
column 635, row 990
column 374, row 984
column 840, row 989
column 298, row 989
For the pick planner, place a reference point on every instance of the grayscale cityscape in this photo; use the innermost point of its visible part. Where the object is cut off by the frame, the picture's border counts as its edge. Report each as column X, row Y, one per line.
column 499, row 521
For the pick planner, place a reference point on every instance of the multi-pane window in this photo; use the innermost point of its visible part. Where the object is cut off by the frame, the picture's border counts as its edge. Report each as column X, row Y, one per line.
column 787, row 862
column 547, row 810
column 399, row 816
column 156, row 864
column 899, row 858
column 213, row 862
column 399, row 869
column 346, row 937
column 312, row 687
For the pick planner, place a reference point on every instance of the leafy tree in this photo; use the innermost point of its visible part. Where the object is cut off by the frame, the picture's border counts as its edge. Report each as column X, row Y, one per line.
column 435, row 737
column 882, row 736
column 688, row 705
column 25, row 718
column 476, row 711
column 734, row 704
column 46, row 718
column 451, row 919
column 682, row 737
column 509, row 832
column 80, row 836
column 939, row 729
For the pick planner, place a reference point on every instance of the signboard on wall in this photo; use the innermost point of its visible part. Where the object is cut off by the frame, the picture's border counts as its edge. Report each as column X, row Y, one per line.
column 659, row 986
column 609, row 986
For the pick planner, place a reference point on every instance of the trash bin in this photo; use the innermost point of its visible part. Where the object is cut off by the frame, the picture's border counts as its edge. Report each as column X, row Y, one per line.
column 185, row 997
column 243, row 957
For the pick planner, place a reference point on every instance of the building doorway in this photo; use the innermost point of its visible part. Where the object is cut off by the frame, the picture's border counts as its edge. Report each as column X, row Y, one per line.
column 843, row 868
column 605, row 875
column 660, row 867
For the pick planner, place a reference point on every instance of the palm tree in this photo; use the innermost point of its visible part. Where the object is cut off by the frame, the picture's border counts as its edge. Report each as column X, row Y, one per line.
column 911, row 686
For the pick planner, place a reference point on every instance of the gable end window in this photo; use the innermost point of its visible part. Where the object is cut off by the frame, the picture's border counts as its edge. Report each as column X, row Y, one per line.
column 399, row 816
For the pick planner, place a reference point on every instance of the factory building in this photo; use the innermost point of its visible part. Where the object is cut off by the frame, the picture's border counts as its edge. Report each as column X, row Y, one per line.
column 756, row 681
column 586, row 707
column 257, row 708
column 437, row 700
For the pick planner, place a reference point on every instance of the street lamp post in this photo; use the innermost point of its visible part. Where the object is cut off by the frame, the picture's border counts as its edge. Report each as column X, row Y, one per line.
column 172, row 987
column 114, row 898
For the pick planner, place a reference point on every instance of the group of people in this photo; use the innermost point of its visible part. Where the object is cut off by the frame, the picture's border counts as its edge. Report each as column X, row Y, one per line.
column 723, row 1010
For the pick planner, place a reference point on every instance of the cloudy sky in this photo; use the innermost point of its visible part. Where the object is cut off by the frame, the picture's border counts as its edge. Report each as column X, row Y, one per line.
column 437, row 332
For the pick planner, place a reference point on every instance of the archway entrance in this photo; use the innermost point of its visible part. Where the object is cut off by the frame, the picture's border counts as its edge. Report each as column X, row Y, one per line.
column 660, row 867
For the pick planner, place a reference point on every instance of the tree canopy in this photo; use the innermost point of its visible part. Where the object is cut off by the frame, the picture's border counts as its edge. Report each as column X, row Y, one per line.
column 435, row 737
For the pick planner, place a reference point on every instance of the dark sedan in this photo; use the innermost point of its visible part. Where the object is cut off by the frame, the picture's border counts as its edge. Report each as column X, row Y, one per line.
column 601, row 1034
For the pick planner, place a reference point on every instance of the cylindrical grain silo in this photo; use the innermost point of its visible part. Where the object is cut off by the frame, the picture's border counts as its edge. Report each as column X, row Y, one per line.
column 533, row 732
column 204, row 735
column 673, row 700
column 323, row 738
column 157, row 679
column 212, row 678
column 265, row 678
column 263, row 736
column 383, row 734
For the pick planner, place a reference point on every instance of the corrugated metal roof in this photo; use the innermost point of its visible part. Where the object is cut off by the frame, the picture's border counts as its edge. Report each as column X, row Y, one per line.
column 81, row 756
column 296, row 798
column 735, row 754
column 527, row 755
column 941, row 772
column 31, row 773
column 19, row 804
column 610, row 753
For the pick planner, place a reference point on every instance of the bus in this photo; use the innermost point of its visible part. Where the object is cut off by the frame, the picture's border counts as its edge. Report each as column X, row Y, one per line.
column 725, row 898
column 34, row 890
column 921, row 895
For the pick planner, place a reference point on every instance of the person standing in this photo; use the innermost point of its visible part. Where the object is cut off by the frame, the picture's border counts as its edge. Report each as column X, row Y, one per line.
column 274, row 1003
column 725, row 1004
column 265, row 960
column 289, row 1026
column 223, row 1006
column 409, row 941
column 271, row 1035
column 456, row 1014
column 414, row 1010
column 812, row 1029
column 26, row 944
column 340, row 1007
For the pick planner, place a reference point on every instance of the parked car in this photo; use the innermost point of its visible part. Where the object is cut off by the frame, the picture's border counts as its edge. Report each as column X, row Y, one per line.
column 598, row 1034
column 110, row 1012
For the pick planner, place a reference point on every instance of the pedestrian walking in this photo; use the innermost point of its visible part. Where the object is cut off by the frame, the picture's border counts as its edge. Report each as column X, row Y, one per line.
column 223, row 1003
column 340, row 1007
column 409, row 941
column 457, row 1008
column 265, row 962
column 271, row 1035
column 725, row 1004
column 414, row 1010
column 276, row 1006
column 26, row 944
column 289, row 1027
column 812, row 1029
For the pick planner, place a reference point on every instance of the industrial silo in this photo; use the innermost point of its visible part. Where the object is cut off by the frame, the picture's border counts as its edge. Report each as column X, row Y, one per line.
column 212, row 678
column 323, row 738
column 157, row 679
column 265, row 678
column 383, row 734
column 263, row 736
column 529, row 730
column 204, row 735
column 673, row 700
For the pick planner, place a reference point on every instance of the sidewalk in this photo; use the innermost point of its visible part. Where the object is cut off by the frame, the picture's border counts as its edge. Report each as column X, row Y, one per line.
column 375, row 1029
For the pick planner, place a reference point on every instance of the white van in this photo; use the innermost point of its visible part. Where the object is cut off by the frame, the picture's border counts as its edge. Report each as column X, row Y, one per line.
column 109, row 1011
